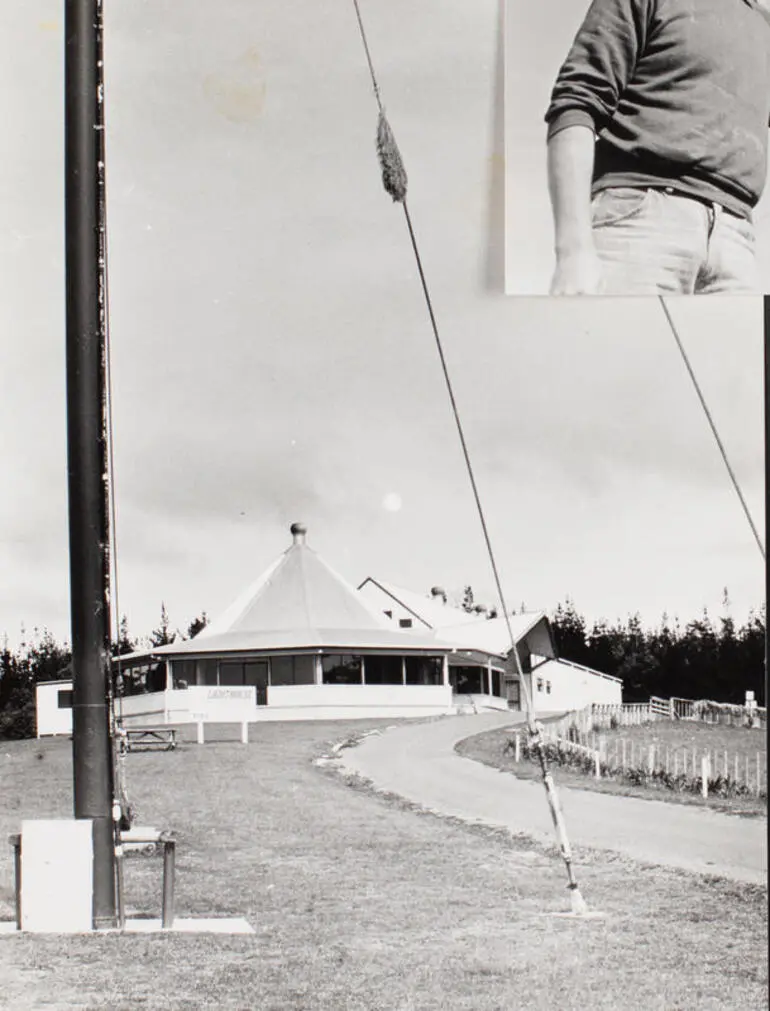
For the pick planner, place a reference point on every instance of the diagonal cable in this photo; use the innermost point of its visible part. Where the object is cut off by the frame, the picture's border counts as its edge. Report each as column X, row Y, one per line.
column 712, row 424
column 394, row 180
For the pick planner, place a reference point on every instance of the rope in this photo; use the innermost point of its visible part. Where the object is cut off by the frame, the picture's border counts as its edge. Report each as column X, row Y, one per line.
column 395, row 182
column 713, row 426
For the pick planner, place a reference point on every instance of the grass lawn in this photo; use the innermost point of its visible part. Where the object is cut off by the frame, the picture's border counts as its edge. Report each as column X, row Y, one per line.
column 680, row 736
column 362, row 902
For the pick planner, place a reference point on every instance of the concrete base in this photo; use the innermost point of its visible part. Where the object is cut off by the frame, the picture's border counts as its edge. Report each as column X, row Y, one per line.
column 217, row 925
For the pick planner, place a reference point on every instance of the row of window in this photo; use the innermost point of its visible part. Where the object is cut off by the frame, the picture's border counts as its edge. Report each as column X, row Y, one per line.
column 340, row 668
column 540, row 684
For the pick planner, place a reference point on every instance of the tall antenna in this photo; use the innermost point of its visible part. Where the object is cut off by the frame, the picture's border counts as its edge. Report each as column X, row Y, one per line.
column 87, row 441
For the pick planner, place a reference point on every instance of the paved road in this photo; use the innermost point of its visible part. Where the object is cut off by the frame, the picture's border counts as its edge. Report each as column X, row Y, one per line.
column 418, row 762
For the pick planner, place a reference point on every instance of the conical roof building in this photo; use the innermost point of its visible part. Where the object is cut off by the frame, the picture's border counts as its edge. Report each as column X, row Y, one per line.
column 302, row 643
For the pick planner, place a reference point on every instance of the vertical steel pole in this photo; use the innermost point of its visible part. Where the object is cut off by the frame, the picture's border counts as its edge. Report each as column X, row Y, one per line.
column 87, row 443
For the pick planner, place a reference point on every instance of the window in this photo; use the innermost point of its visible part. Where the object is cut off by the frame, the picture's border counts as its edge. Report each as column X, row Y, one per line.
column 388, row 614
column 467, row 680
column 341, row 669
column 255, row 673
column 548, row 688
column 539, row 684
column 146, row 678
column 383, row 670
column 404, row 622
column 207, row 672
column 183, row 673
column 424, row 670
column 496, row 683
column 230, row 673
column 292, row 670
column 64, row 698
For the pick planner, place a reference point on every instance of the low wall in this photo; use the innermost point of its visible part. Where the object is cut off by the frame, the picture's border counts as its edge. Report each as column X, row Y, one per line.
column 226, row 704
column 352, row 702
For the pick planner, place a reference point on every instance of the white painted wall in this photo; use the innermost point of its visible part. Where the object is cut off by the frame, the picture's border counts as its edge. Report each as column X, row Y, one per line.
column 212, row 704
column 49, row 717
column 355, row 701
column 572, row 687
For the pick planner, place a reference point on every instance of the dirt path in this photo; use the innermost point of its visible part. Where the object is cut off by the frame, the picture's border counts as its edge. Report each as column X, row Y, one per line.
column 418, row 762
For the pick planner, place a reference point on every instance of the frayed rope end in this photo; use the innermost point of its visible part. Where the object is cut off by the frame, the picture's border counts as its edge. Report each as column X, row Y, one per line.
column 394, row 177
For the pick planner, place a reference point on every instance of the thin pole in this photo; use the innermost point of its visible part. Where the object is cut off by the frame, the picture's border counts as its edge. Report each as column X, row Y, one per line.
column 87, row 444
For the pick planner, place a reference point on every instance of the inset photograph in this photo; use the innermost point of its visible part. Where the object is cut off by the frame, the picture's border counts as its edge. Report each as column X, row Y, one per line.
column 636, row 147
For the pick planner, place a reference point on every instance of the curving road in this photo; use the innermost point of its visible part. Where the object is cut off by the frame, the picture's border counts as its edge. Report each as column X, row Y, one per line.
column 418, row 762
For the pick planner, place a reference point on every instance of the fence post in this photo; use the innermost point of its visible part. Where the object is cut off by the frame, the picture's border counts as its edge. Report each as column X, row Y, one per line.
column 517, row 747
column 704, row 775
column 759, row 780
column 244, row 732
column 200, row 731
column 651, row 758
column 671, row 709
column 624, row 753
column 597, row 765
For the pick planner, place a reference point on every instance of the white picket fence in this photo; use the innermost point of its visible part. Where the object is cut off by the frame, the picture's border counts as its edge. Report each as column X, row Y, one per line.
column 616, row 754
column 580, row 730
column 632, row 714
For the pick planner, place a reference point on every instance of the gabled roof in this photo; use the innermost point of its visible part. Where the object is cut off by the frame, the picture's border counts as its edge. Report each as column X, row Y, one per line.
column 454, row 625
column 429, row 611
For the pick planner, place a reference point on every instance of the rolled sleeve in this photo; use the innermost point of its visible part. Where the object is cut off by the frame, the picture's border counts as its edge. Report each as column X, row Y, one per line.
column 571, row 117
column 599, row 64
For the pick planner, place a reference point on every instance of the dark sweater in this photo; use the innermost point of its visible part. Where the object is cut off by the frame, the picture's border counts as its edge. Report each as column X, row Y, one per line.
column 678, row 93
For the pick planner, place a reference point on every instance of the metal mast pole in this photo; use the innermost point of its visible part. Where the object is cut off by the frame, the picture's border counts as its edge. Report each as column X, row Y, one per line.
column 87, row 442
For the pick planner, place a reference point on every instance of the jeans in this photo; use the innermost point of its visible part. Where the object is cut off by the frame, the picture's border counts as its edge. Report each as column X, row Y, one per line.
column 656, row 242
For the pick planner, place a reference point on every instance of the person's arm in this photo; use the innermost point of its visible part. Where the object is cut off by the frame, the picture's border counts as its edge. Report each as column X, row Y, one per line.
column 570, row 169
column 584, row 98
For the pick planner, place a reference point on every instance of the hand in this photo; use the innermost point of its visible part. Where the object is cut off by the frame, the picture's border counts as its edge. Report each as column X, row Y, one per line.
column 577, row 273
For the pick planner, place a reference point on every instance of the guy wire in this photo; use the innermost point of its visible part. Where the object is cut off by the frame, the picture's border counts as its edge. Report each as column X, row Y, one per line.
column 712, row 424
column 395, row 183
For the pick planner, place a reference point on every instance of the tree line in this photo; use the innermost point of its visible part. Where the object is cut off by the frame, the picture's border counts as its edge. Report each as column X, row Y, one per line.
column 704, row 659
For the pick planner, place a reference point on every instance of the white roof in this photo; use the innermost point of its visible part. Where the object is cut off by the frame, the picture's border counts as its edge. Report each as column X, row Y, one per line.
column 431, row 611
column 491, row 635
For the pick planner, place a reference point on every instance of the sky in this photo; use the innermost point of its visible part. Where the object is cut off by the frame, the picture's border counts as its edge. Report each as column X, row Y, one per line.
column 272, row 356
column 538, row 37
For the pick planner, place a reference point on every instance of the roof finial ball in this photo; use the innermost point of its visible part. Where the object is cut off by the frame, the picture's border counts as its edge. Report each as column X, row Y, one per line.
column 298, row 531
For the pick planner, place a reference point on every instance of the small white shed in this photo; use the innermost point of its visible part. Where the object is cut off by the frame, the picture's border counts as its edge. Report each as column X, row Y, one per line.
column 53, row 707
